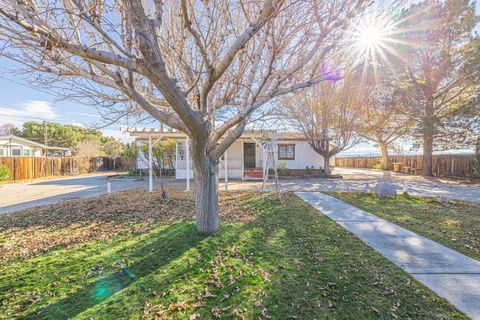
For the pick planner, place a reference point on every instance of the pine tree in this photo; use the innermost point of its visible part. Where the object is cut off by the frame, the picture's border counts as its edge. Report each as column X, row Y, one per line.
column 438, row 73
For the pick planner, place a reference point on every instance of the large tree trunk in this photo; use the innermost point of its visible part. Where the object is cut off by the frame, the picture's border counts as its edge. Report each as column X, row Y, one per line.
column 384, row 148
column 326, row 164
column 206, row 195
column 427, row 155
column 429, row 124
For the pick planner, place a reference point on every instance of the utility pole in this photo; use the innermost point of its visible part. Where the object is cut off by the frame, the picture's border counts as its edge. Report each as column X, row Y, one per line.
column 45, row 137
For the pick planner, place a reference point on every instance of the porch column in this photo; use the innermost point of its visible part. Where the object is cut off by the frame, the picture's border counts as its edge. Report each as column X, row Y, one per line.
column 243, row 160
column 187, row 145
column 150, row 165
column 176, row 156
column 264, row 159
column 225, row 167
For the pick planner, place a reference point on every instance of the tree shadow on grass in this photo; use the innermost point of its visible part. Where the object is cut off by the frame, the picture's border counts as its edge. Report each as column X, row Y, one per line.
column 315, row 270
column 322, row 271
column 171, row 243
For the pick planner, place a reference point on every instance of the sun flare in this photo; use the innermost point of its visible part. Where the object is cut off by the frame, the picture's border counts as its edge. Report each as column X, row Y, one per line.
column 370, row 37
column 372, row 42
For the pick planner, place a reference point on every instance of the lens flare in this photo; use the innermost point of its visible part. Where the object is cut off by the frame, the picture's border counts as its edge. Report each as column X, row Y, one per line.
column 372, row 42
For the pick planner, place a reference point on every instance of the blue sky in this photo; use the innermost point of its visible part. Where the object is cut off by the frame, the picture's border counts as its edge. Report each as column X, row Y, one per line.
column 20, row 102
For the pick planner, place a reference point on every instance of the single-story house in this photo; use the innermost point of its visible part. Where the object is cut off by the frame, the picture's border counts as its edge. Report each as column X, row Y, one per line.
column 13, row 146
column 244, row 159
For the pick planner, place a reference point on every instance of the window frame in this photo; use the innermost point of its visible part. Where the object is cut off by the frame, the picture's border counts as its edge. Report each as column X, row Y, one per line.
column 286, row 145
column 12, row 150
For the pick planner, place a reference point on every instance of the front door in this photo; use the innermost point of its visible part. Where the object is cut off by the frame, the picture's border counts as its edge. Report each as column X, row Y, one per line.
column 249, row 155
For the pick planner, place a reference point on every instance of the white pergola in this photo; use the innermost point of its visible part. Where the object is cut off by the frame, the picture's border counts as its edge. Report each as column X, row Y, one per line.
column 150, row 133
column 154, row 136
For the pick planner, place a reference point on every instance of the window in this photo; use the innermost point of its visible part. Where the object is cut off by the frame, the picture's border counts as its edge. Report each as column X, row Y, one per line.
column 286, row 152
column 26, row 153
column 16, row 152
column 2, row 152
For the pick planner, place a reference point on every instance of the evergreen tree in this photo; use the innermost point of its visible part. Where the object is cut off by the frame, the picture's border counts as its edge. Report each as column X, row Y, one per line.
column 438, row 73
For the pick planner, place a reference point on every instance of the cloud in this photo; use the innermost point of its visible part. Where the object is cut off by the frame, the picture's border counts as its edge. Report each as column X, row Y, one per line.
column 32, row 110
column 117, row 134
column 78, row 124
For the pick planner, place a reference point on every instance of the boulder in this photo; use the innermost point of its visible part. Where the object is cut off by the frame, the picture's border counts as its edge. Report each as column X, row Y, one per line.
column 385, row 189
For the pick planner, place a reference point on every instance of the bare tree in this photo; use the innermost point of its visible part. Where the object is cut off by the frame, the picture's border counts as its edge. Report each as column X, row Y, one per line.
column 8, row 129
column 382, row 122
column 202, row 67
column 329, row 116
column 88, row 148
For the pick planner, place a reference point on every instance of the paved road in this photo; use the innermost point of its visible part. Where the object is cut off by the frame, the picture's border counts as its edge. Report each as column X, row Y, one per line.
column 18, row 196
column 449, row 273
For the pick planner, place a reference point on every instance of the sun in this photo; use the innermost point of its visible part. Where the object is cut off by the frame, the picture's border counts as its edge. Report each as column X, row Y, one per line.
column 374, row 42
column 370, row 37
column 371, row 42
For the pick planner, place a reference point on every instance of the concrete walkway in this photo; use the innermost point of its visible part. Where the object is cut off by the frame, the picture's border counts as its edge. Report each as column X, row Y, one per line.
column 447, row 272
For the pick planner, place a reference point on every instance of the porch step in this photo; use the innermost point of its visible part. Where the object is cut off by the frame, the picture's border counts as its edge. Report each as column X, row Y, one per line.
column 256, row 173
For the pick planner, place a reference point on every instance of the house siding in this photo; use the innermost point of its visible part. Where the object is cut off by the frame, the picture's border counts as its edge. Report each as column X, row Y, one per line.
column 304, row 156
column 8, row 146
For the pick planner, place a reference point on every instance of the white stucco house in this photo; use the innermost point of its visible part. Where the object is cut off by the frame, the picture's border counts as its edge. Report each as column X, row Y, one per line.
column 244, row 159
column 13, row 146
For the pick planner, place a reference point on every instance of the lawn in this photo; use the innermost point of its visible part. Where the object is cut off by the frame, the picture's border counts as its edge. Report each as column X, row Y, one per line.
column 130, row 256
column 455, row 224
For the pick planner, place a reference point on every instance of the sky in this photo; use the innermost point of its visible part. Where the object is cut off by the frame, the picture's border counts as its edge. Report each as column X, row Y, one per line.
column 20, row 102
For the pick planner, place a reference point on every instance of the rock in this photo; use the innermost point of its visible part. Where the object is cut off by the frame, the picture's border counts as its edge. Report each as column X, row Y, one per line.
column 385, row 189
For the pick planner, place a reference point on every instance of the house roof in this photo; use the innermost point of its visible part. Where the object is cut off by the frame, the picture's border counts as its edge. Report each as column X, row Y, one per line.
column 297, row 136
column 29, row 142
column 136, row 131
column 172, row 133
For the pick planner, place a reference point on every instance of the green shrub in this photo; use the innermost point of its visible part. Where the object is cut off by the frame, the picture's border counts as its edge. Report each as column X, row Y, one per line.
column 282, row 167
column 377, row 166
column 5, row 173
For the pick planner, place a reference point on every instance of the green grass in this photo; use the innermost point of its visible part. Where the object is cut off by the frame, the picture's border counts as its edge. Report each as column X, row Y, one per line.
column 456, row 224
column 285, row 262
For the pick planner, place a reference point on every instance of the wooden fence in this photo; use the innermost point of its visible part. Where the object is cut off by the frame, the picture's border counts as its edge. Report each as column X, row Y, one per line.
column 25, row 168
column 448, row 165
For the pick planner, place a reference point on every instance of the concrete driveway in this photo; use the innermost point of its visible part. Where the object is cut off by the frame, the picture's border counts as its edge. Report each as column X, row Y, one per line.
column 22, row 195
column 364, row 180
column 18, row 196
